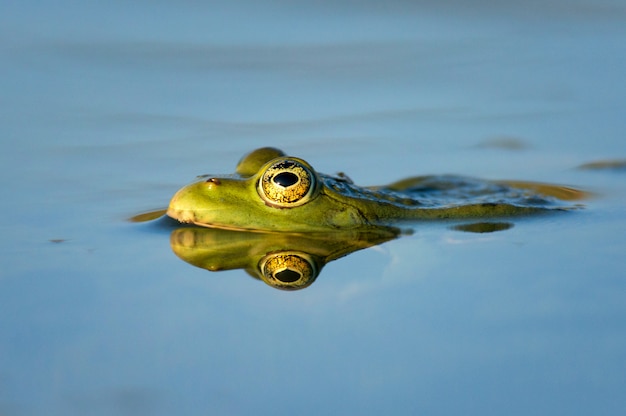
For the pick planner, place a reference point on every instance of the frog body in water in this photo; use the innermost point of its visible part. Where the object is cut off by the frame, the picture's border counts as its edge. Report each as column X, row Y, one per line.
column 271, row 191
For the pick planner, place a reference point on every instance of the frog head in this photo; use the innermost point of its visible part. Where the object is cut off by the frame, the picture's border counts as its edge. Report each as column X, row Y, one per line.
column 269, row 191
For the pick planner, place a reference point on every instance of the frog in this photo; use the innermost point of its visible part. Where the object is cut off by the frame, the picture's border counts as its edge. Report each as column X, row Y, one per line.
column 271, row 191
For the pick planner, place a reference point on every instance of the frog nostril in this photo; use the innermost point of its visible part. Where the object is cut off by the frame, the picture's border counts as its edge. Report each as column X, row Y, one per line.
column 213, row 181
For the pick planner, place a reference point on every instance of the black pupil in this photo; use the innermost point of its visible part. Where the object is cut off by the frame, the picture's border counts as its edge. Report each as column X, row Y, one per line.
column 287, row 276
column 286, row 179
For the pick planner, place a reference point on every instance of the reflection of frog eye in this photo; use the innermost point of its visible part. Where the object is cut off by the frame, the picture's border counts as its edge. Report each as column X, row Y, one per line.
column 287, row 183
column 288, row 270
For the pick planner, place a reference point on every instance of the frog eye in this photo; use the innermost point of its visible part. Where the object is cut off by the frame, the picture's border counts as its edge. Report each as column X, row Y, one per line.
column 287, row 183
column 288, row 270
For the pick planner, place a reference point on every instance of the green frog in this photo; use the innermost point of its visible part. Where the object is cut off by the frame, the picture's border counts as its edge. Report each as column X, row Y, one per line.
column 273, row 192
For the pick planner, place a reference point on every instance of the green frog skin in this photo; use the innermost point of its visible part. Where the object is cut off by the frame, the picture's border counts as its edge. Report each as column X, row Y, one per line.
column 272, row 192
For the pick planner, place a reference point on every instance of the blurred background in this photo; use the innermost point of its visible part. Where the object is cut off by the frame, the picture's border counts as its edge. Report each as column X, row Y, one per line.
column 108, row 108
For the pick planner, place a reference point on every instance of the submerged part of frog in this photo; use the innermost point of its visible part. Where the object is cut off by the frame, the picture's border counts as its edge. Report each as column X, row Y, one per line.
column 271, row 191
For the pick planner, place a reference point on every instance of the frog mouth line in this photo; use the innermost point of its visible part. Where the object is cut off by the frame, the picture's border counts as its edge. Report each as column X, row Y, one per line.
column 187, row 216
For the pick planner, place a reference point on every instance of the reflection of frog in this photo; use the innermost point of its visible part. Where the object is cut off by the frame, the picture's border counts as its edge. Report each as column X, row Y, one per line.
column 282, row 260
column 286, row 261
column 274, row 192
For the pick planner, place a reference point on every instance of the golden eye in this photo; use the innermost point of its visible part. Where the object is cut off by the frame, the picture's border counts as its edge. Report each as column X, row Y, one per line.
column 287, row 183
column 288, row 270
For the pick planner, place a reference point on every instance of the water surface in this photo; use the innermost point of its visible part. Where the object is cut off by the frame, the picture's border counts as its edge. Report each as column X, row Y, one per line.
column 108, row 109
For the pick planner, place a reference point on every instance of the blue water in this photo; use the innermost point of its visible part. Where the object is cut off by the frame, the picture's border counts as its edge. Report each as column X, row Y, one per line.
column 108, row 108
